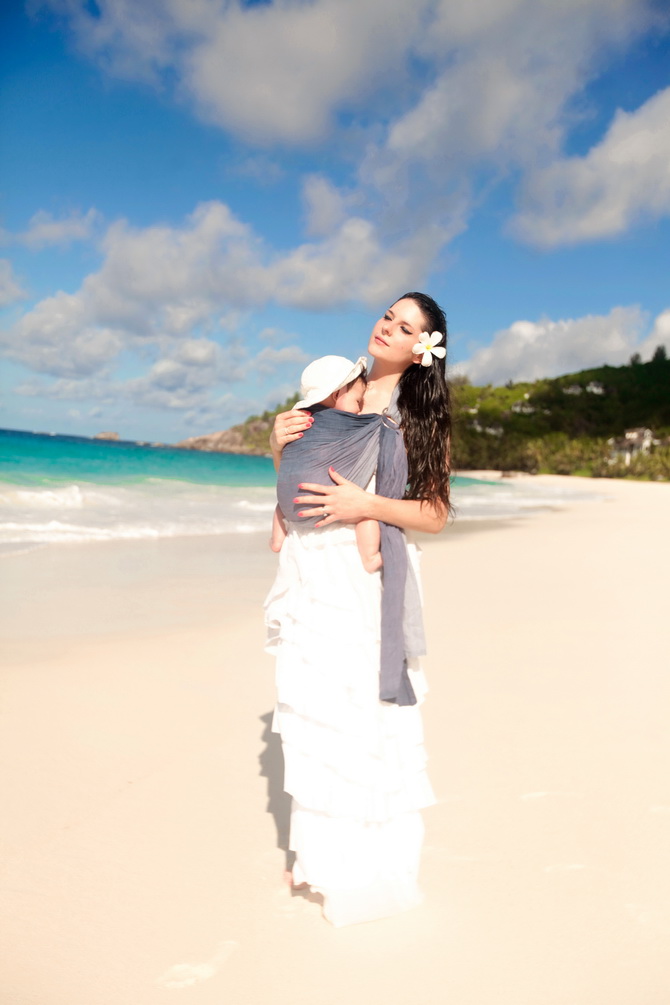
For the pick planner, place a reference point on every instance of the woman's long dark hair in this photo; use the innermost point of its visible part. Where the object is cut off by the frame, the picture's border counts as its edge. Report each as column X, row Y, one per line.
column 424, row 403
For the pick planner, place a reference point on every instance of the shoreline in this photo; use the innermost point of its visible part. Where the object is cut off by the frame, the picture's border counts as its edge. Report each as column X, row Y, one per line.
column 109, row 588
column 111, row 514
column 82, row 589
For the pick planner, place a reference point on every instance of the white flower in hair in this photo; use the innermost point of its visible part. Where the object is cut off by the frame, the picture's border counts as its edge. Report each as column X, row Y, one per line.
column 428, row 347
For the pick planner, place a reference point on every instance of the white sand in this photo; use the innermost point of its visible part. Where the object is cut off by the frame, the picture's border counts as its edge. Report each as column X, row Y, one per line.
column 140, row 860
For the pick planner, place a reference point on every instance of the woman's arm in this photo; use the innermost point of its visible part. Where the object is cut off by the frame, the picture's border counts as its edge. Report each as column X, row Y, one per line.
column 288, row 426
column 410, row 514
column 346, row 502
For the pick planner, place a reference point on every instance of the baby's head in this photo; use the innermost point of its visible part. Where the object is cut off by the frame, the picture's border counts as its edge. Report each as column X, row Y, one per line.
column 334, row 382
column 350, row 397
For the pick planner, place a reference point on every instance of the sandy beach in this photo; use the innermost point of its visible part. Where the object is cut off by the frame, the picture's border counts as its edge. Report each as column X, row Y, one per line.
column 143, row 817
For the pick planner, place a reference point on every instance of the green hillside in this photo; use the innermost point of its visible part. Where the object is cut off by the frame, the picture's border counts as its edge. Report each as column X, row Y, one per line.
column 562, row 425
column 558, row 426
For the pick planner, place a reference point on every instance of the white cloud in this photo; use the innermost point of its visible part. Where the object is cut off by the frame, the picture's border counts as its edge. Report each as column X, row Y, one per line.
column 158, row 285
column 496, row 72
column 59, row 337
column 528, row 350
column 10, row 287
column 355, row 264
column 503, row 74
column 271, row 335
column 155, row 284
column 267, row 72
column 624, row 178
column 69, row 389
column 280, row 71
column 198, row 352
column 163, row 279
column 259, row 168
column 325, row 206
column 185, row 380
column 445, row 96
column 44, row 230
column 659, row 335
column 217, row 413
column 170, row 385
column 269, row 359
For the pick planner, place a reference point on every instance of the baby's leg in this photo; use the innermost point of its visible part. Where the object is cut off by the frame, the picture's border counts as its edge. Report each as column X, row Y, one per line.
column 278, row 530
column 368, row 539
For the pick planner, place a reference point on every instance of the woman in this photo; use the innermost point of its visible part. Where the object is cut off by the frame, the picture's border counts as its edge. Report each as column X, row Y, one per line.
column 355, row 765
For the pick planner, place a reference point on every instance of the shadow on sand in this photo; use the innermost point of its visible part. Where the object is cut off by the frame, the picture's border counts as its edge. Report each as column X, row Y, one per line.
column 271, row 762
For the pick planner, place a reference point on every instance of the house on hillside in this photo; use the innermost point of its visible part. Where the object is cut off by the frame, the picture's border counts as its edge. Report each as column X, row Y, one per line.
column 633, row 441
column 523, row 408
column 595, row 387
column 573, row 389
column 495, row 430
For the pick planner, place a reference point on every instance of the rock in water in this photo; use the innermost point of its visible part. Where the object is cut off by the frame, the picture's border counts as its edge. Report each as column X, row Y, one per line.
column 250, row 438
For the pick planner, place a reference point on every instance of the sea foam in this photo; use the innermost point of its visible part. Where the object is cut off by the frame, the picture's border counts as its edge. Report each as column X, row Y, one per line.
column 150, row 510
column 160, row 508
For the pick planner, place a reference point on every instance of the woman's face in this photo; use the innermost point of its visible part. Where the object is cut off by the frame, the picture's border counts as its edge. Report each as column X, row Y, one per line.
column 395, row 333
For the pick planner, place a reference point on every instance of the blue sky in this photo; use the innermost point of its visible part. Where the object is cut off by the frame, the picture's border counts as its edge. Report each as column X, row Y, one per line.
column 197, row 197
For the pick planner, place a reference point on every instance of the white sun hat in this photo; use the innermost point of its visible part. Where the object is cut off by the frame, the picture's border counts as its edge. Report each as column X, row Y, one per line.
column 325, row 375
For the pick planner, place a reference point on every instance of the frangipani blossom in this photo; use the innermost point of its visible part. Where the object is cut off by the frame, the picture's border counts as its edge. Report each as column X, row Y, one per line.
column 427, row 345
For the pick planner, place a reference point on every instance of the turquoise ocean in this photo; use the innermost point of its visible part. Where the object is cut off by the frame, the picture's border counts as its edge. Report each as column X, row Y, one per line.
column 62, row 489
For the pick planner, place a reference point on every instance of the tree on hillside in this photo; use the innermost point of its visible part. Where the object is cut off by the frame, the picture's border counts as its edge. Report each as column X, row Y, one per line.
column 660, row 354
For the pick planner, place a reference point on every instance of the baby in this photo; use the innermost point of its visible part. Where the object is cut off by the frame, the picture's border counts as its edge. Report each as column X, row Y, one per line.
column 336, row 382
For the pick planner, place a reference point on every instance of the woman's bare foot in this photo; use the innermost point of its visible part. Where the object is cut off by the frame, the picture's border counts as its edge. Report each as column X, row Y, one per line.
column 292, row 885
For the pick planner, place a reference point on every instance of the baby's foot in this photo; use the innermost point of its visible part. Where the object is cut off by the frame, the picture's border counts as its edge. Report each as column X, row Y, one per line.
column 373, row 563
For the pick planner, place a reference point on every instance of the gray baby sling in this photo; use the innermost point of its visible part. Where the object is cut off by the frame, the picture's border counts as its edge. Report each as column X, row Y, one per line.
column 356, row 445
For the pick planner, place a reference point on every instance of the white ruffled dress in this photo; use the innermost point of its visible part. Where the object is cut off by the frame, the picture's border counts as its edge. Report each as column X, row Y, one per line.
column 354, row 766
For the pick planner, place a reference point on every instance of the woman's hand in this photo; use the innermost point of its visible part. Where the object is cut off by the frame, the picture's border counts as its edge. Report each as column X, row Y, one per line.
column 343, row 501
column 346, row 502
column 288, row 426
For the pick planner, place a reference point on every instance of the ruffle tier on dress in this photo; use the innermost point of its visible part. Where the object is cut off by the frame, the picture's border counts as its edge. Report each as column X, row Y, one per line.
column 354, row 766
